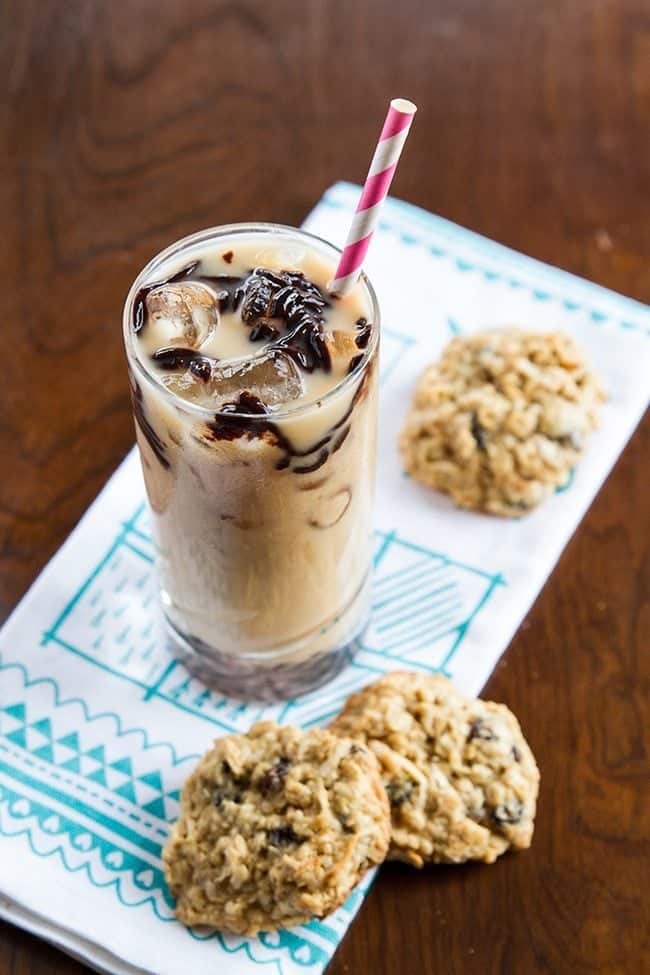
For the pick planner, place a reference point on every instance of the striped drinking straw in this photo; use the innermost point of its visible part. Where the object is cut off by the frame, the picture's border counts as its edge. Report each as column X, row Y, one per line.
column 375, row 189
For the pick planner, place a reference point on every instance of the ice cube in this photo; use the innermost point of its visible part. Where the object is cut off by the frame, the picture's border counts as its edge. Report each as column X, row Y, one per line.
column 187, row 386
column 187, row 312
column 283, row 255
column 342, row 348
column 272, row 377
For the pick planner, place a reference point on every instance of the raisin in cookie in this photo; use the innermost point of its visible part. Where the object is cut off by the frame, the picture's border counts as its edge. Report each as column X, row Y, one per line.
column 276, row 827
column 461, row 780
column 501, row 420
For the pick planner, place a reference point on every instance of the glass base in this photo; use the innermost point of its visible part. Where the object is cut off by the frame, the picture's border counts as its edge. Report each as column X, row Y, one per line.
column 249, row 679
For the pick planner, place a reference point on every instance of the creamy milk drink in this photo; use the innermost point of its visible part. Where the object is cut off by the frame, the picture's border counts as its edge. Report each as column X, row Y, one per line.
column 254, row 394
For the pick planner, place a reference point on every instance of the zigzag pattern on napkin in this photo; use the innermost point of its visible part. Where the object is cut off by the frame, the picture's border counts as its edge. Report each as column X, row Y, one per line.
column 74, row 785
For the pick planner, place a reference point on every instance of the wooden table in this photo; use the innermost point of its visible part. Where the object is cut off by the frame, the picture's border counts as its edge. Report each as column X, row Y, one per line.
column 133, row 122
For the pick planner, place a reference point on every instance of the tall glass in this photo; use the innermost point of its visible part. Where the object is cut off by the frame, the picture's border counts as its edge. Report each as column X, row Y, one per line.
column 263, row 526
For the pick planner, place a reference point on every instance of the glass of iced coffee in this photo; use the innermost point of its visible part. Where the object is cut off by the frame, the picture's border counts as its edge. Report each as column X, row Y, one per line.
column 254, row 393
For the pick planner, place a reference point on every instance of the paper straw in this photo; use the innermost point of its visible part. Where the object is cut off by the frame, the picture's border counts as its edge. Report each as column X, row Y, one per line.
column 375, row 189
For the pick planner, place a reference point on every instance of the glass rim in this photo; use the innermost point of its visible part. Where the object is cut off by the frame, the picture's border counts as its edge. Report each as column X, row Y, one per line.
column 227, row 230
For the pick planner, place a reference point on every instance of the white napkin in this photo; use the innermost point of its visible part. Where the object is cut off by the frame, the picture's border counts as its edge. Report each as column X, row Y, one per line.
column 99, row 726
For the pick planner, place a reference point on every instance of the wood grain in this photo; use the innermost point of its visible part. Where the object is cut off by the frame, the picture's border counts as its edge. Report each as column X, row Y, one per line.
column 129, row 123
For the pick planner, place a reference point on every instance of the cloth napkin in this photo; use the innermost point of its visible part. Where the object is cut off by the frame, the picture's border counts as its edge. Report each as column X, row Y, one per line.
column 99, row 726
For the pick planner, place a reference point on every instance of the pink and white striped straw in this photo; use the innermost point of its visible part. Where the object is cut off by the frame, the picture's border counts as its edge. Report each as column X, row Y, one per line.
column 375, row 189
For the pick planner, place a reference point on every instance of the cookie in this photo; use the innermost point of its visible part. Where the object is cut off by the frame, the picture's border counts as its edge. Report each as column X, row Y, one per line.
column 461, row 780
column 502, row 419
column 276, row 827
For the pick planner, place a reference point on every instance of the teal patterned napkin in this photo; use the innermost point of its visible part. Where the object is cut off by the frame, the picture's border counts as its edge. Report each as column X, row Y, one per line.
column 99, row 726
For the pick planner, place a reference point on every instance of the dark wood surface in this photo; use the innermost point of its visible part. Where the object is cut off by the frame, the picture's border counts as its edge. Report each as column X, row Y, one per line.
column 129, row 123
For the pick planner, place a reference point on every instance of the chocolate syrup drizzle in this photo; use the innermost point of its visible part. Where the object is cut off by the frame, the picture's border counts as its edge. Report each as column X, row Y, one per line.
column 270, row 301
column 152, row 438
column 175, row 359
column 249, row 417
column 283, row 306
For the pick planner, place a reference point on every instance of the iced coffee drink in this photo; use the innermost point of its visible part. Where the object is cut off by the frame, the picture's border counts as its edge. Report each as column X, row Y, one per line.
column 254, row 395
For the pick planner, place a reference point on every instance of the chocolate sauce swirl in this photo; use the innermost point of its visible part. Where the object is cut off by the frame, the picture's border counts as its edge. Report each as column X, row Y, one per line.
column 249, row 417
column 175, row 358
column 283, row 306
column 290, row 298
column 148, row 432
column 287, row 311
